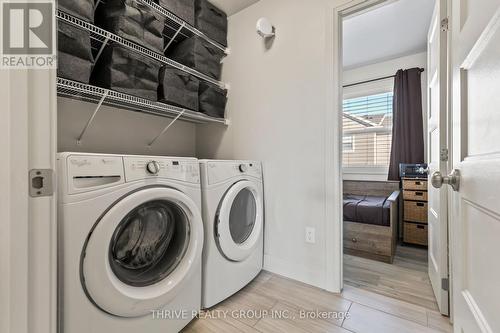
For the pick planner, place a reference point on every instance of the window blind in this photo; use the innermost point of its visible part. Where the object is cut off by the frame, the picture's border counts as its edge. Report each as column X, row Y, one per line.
column 367, row 126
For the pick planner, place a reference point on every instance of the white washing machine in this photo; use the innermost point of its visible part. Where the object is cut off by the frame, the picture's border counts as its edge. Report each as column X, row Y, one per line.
column 233, row 213
column 130, row 243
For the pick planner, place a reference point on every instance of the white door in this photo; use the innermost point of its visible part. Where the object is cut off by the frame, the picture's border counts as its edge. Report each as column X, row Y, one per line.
column 240, row 221
column 28, row 223
column 437, row 156
column 475, row 223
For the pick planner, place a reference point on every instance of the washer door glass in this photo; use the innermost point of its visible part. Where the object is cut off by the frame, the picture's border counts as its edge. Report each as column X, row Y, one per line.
column 242, row 216
column 142, row 252
column 149, row 243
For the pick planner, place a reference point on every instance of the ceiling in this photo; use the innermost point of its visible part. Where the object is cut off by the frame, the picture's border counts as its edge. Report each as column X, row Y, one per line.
column 390, row 31
column 231, row 7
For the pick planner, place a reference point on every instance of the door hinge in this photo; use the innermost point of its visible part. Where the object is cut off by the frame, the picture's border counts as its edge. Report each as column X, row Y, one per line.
column 41, row 183
column 445, row 25
column 445, row 155
column 445, row 284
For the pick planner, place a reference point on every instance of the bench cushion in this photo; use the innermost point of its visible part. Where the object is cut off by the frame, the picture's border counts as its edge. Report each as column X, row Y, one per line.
column 367, row 209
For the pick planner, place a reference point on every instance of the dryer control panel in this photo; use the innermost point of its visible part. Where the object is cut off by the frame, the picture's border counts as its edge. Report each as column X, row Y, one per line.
column 220, row 171
column 137, row 168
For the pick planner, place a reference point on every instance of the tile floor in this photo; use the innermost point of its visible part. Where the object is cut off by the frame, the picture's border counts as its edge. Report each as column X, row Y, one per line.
column 405, row 279
column 368, row 312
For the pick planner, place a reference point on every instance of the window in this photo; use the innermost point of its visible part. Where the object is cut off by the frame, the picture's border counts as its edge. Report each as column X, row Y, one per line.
column 348, row 143
column 367, row 122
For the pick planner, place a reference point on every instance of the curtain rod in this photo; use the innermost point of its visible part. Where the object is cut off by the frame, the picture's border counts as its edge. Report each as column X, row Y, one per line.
column 373, row 80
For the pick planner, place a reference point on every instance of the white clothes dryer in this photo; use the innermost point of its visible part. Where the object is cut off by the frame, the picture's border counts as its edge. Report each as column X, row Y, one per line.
column 130, row 243
column 233, row 213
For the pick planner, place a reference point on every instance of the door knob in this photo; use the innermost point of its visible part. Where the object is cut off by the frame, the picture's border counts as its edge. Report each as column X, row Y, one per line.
column 453, row 179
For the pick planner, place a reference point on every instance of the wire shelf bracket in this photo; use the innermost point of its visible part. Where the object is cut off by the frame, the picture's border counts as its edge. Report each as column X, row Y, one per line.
column 175, row 35
column 101, row 49
column 96, row 4
column 89, row 122
column 165, row 129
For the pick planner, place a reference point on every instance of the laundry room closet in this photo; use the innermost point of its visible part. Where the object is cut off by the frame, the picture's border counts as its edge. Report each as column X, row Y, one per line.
column 139, row 76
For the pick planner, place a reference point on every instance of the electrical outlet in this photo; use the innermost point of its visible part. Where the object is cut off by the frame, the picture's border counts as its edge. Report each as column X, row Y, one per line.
column 310, row 235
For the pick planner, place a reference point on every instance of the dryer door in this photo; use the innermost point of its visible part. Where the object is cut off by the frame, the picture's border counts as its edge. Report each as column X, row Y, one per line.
column 240, row 221
column 142, row 251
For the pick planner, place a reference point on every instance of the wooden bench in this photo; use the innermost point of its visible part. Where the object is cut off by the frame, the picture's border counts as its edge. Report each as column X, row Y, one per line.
column 373, row 241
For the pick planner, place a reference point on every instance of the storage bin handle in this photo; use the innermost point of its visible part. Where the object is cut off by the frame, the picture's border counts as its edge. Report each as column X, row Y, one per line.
column 420, row 204
column 420, row 227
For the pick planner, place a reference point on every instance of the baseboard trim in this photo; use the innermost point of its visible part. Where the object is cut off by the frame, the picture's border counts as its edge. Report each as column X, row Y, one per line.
column 294, row 271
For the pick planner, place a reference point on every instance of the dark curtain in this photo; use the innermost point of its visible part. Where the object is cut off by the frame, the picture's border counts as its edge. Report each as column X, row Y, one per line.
column 408, row 128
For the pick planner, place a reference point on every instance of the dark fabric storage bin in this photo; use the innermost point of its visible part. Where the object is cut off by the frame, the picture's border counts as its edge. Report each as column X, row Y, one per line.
column 196, row 53
column 211, row 21
column 128, row 72
column 83, row 9
column 184, row 9
column 132, row 20
column 178, row 88
column 74, row 54
column 212, row 100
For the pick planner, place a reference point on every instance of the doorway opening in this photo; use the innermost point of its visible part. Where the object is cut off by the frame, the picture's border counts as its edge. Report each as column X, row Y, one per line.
column 385, row 150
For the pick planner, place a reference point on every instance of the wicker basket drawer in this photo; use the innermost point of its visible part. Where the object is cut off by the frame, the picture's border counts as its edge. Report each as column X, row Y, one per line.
column 415, row 211
column 415, row 195
column 415, row 184
column 415, row 233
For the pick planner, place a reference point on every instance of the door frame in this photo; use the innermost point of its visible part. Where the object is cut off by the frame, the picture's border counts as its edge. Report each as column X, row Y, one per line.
column 29, row 232
column 333, row 161
column 334, row 279
column 446, row 192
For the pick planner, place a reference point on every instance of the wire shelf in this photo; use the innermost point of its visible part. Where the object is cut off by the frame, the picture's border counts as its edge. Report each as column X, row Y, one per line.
column 174, row 24
column 102, row 36
column 88, row 93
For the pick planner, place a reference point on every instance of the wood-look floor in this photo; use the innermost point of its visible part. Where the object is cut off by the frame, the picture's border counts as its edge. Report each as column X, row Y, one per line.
column 368, row 312
column 406, row 279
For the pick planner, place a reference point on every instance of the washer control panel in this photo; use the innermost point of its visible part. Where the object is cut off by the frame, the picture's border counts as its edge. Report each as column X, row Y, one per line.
column 137, row 168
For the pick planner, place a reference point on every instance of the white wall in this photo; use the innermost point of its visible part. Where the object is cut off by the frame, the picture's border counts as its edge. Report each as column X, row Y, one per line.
column 121, row 132
column 277, row 108
column 382, row 69
column 375, row 71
